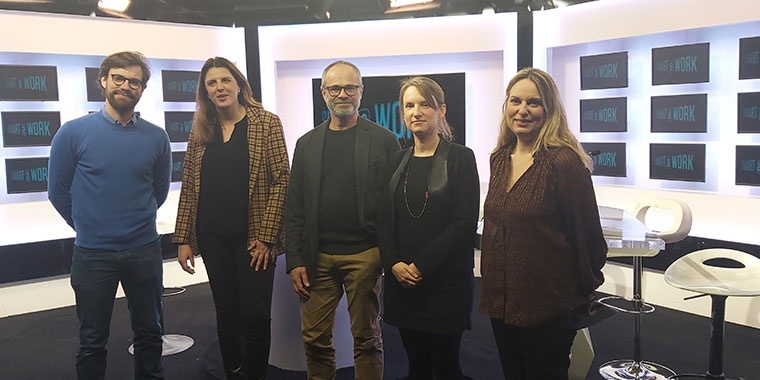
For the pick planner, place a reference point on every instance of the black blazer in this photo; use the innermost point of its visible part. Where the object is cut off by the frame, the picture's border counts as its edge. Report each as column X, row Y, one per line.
column 374, row 147
column 442, row 303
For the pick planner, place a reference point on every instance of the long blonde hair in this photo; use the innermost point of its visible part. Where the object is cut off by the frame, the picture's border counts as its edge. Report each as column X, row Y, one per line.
column 432, row 92
column 555, row 132
column 205, row 113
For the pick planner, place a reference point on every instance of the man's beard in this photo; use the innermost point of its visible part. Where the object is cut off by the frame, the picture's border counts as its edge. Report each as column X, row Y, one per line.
column 343, row 110
column 122, row 104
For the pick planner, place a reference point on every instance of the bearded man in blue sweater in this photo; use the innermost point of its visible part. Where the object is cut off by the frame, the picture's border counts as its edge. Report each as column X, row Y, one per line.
column 109, row 173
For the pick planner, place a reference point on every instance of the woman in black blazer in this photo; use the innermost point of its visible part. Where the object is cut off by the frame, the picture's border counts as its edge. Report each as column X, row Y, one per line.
column 426, row 234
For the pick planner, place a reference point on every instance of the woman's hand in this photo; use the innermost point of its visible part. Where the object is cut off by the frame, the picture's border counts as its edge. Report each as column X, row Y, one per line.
column 406, row 274
column 261, row 255
column 185, row 254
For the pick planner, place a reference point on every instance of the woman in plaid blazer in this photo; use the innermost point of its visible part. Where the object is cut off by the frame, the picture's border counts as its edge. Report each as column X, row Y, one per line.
column 234, row 185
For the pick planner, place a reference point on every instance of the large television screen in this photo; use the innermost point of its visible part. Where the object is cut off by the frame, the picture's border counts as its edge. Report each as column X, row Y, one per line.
column 748, row 112
column 26, row 175
column 749, row 58
column 677, row 162
column 679, row 113
column 28, row 82
column 380, row 103
column 681, row 64
column 178, row 165
column 94, row 88
column 604, row 115
column 604, row 71
column 748, row 165
column 178, row 125
column 609, row 158
column 26, row 128
column 179, row 85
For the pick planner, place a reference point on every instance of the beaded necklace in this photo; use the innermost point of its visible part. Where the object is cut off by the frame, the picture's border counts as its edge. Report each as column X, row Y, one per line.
column 406, row 200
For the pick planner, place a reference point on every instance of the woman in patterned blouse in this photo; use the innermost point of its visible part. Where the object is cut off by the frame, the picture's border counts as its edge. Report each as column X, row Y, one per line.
column 543, row 247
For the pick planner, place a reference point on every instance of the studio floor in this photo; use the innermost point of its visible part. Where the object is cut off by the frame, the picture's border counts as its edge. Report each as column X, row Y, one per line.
column 42, row 345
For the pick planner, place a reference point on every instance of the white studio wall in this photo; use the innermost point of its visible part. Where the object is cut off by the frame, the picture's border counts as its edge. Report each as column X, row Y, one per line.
column 67, row 41
column 722, row 210
column 723, row 207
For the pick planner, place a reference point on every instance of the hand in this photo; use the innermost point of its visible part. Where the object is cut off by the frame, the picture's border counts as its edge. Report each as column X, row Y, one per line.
column 300, row 281
column 185, row 254
column 261, row 255
column 407, row 275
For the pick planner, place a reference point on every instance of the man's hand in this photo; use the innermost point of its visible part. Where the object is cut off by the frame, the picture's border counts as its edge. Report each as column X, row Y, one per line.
column 185, row 254
column 300, row 281
column 261, row 255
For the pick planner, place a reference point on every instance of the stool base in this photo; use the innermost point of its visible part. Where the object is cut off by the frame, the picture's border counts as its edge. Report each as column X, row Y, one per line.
column 633, row 370
column 701, row 376
column 172, row 344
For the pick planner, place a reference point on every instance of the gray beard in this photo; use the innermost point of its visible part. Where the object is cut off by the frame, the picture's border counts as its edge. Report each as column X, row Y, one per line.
column 343, row 111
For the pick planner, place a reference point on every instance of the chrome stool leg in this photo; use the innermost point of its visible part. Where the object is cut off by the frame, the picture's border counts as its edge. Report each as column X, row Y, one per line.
column 715, row 364
column 634, row 369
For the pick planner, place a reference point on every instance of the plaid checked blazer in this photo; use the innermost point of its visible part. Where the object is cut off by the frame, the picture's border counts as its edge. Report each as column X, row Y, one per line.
column 267, row 184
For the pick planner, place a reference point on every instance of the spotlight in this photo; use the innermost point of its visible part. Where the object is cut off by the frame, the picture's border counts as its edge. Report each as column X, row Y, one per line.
column 114, row 5
column 397, row 6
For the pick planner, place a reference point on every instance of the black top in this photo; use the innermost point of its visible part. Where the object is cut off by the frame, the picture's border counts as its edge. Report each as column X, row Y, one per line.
column 223, row 198
column 410, row 206
column 440, row 242
column 339, row 229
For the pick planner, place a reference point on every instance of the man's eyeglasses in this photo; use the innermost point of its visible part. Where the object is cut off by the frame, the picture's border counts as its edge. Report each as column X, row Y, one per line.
column 350, row 90
column 119, row 80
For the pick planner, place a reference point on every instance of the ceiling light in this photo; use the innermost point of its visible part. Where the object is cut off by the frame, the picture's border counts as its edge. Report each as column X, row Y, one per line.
column 398, row 6
column 403, row 3
column 114, row 5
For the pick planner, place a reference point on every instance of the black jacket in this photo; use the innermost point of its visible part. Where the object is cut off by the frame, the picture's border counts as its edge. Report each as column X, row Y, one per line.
column 374, row 147
column 442, row 302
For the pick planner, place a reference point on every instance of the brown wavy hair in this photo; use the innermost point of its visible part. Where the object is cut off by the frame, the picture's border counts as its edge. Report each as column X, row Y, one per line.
column 205, row 112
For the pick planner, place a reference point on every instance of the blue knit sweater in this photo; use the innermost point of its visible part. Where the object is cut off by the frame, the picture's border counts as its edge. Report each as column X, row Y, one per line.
column 108, row 180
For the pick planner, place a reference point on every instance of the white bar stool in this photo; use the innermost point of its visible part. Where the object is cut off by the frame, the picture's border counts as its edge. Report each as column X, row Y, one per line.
column 719, row 273
column 636, row 368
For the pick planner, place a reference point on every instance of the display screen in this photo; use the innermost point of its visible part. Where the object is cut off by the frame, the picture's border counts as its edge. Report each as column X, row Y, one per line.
column 178, row 125
column 94, row 89
column 609, row 158
column 681, row 64
column 748, row 165
column 679, row 113
column 677, row 162
column 749, row 58
column 28, row 82
column 178, row 164
column 179, row 86
column 380, row 103
column 29, row 128
column 604, row 71
column 604, row 115
column 26, row 175
column 749, row 112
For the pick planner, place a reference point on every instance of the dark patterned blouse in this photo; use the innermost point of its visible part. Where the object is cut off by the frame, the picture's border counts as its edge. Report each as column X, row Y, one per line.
column 543, row 247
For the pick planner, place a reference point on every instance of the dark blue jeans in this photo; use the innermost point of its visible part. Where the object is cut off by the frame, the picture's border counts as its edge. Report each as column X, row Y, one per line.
column 95, row 276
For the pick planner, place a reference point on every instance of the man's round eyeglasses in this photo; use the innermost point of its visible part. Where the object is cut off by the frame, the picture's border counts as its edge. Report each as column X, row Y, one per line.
column 119, row 80
column 350, row 90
